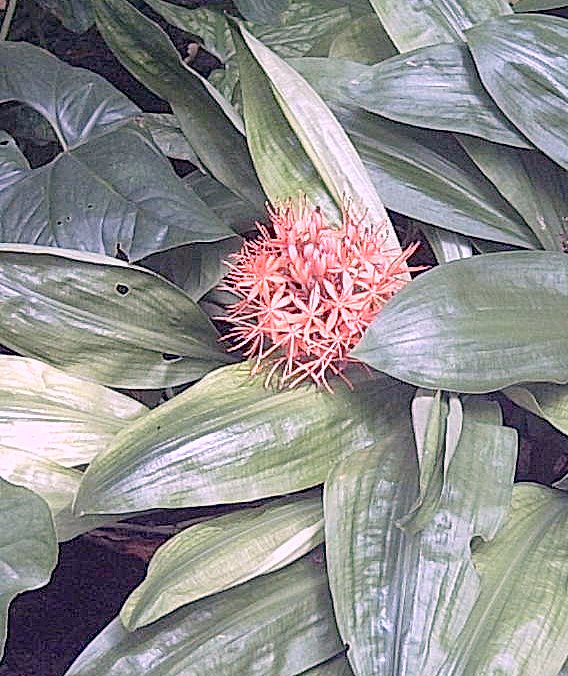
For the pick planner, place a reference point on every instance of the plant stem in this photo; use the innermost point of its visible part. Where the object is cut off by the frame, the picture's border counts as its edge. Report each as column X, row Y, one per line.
column 7, row 20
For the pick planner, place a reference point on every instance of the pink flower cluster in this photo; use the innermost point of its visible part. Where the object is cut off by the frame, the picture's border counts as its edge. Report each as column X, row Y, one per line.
column 308, row 292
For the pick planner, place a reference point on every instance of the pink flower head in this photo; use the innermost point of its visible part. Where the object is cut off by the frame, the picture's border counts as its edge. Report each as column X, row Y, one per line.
column 308, row 292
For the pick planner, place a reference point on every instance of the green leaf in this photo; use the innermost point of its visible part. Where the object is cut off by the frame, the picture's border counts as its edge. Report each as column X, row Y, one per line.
column 364, row 40
column 200, row 561
column 547, row 400
column 536, row 5
column 101, row 319
column 76, row 15
column 229, row 439
column 168, row 136
column 418, row 24
column 435, row 87
column 28, row 552
column 56, row 484
column 195, row 268
column 110, row 186
column 529, row 181
column 447, row 246
column 212, row 127
column 475, row 325
column 336, row 666
column 321, row 137
column 279, row 624
column 425, row 175
column 59, row 417
column 262, row 11
column 523, row 64
column 402, row 597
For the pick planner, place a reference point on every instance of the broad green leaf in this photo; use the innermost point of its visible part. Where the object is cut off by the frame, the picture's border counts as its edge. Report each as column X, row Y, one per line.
column 336, row 666
column 76, row 15
column 430, row 22
column 322, row 138
column 284, row 169
column 435, row 87
column 364, row 40
column 547, row 400
column 101, row 319
column 523, row 64
column 528, row 180
column 239, row 214
column 109, row 187
column 519, row 624
column 425, row 175
column 56, row 484
column 402, row 597
column 212, row 127
column 475, row 325
column 168, row 136
column 229, row 439
column 61, row 418
column 196, row 268
column 222, row 553
column 262, row 11
column 28, row 547
column 536, row 5
column 279, row 624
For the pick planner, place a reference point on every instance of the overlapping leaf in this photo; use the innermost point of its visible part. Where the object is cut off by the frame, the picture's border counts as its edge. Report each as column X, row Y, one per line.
column 418, row 24
column 280, row 624
column 475, row 325
column 28, row 552
column 435, row 87
column 109, row 187
column 228, row 439
column 212, row 127
column 523, row 64
column 59, row 417
column 403, row 595
column 536, row 5
column 200, row 560
column 547, row 400
column 102, row 319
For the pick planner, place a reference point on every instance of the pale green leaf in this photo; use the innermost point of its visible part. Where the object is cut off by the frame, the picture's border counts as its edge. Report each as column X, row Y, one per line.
column 430, row 22
column 447, row 246
column 322, row 137
column 168, row 136
column 523, row 63
column 222, row 553
column 57, row 416
column 76, row 15
column 336, row 666
column 28, row 547
column 547, row 400
column 229, row 439
column 279, row 624
column 475, row 325
column 536, row 5
column 364, row 40
column 101, row 319
column 401, row 597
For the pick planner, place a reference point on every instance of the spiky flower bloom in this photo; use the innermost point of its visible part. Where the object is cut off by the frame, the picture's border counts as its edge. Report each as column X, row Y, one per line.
column 308, row 292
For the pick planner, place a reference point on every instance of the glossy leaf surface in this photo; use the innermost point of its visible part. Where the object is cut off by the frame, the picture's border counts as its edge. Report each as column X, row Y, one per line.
column 280, row 624
column 110, row 186
column 475, row 325
column 414, row 586
column 28, row 552
column 201, row 560
column 228, row 439
column 424, row 175
column 430, row 22
column 101, row 319
column 523, row 64
column 322, row 138
column 59, row 417
column 435, row 87
column 212, row 127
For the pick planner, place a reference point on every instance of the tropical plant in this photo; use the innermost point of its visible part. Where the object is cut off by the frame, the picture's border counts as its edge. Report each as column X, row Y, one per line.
column 371, row 522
